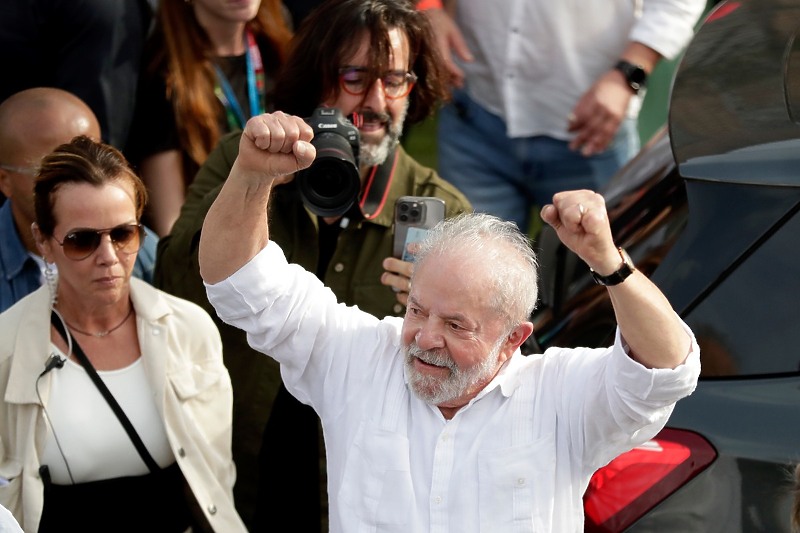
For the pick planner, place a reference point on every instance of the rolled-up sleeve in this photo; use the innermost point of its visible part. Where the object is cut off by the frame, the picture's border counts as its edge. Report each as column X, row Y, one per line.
column 655, row 385
column 667, row 26
column 631, row 403
column 232, row 297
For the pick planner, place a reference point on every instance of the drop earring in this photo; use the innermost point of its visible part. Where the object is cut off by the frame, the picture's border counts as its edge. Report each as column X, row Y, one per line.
column 51, row 279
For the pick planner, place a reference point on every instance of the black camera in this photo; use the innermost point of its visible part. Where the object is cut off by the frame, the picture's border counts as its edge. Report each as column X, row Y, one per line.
column 331, row 185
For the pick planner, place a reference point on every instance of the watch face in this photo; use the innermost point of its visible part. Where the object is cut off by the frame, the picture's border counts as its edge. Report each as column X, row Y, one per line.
column 637, row 76
column 634, row 74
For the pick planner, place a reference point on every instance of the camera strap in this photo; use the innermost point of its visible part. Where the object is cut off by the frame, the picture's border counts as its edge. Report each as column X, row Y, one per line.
column 377, row 187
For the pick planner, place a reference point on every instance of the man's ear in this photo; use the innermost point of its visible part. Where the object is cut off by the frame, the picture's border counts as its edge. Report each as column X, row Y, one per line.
column 5, row 186
column 515, row 339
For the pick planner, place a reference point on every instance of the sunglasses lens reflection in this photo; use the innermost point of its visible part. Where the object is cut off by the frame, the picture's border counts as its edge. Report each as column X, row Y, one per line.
column 81, row 244
column 123, row 236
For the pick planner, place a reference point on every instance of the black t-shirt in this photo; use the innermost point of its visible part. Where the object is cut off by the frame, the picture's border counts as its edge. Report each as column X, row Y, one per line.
column 91, row 48
column 154, row 127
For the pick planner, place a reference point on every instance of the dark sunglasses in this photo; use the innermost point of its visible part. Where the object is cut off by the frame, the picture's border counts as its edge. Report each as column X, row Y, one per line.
column 81, row 243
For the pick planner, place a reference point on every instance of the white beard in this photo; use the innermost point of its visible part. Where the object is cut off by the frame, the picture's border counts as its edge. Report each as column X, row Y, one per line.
column 436, row 391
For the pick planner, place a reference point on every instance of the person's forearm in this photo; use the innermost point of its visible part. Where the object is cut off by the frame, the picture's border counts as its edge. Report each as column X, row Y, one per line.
column 273, row 146
column 235, row 228
column 648, row 323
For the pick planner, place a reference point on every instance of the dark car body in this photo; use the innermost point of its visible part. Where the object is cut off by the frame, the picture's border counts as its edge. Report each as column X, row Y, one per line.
column 709, row 211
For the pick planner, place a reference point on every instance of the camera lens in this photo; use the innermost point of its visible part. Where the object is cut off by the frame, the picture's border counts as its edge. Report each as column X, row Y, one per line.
column 330, row 186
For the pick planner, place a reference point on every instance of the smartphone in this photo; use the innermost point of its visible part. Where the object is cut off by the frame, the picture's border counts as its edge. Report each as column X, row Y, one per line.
column 413, row 216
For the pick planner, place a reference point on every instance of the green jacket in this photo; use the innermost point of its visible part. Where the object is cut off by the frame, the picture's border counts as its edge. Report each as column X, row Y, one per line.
column 353, row 274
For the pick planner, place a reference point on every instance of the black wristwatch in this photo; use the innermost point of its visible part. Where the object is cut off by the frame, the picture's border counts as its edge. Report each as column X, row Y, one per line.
column 634, row 74
column 615, row 278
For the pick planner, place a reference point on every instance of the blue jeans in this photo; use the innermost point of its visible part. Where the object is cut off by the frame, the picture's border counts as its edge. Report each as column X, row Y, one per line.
column 507, row 177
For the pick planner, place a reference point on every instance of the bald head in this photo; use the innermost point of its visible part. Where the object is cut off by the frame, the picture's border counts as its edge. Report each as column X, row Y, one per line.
column 34, row 121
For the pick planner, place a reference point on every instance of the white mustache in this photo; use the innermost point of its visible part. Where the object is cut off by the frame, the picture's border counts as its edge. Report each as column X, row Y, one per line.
column 432, row 357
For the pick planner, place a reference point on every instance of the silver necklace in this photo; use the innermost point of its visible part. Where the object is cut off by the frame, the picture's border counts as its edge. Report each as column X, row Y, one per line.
column 101, row 334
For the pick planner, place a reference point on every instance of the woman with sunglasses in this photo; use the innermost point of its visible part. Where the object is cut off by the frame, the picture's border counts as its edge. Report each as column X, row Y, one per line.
column 116, row 412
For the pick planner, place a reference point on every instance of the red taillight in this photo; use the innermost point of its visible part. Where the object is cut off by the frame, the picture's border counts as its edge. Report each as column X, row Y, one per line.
column 636, row 481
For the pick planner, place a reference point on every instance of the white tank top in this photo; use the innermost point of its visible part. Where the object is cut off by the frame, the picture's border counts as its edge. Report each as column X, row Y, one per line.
column 90, row 436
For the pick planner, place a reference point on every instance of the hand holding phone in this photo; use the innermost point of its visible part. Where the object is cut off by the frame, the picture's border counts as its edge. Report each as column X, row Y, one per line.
column 413, row 217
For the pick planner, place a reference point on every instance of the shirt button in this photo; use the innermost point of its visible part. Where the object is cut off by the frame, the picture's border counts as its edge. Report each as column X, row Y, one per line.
column 181, row 452
column 212, row 509
column 338, row 267
column 156, row 331
column 398, row 308
column 437, row 500
column 521, row 481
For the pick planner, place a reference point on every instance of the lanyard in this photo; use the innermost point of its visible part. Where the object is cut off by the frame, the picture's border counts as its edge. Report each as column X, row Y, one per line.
column 255, row 87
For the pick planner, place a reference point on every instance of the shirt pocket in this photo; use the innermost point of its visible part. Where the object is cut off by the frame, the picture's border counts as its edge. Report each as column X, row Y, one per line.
column 517, row 487
column 203, row 392
column 196, row 379
column 376, row 486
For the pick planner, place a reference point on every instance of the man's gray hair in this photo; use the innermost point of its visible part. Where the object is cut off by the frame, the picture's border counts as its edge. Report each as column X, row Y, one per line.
column 499, row 247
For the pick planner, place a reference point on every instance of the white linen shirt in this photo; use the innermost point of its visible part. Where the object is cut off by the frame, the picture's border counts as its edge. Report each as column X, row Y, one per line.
column 518, row 457
column 534, row 59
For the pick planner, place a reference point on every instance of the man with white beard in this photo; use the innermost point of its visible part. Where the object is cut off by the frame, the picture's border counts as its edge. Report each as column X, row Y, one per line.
column 374, row 61
column 436, row 422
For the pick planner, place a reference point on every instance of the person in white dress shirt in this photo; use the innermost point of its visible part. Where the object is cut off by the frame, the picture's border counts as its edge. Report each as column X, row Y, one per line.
column 436, row 421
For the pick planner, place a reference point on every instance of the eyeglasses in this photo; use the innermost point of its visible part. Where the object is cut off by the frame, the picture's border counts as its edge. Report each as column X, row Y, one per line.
column 358, row 80
column 81, row 243
column 28, row 171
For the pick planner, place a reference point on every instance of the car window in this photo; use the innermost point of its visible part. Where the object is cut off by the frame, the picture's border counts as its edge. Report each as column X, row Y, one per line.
column 750, row 324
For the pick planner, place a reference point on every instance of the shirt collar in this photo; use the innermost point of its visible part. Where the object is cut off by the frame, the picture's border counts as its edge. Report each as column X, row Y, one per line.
column 507, row 378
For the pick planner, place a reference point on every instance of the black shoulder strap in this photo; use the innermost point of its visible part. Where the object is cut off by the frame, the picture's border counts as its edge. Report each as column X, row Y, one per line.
column 84, row 361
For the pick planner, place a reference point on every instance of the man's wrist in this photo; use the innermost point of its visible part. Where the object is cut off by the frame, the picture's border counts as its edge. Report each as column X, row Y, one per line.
column 634, row 73
column 614, row 275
